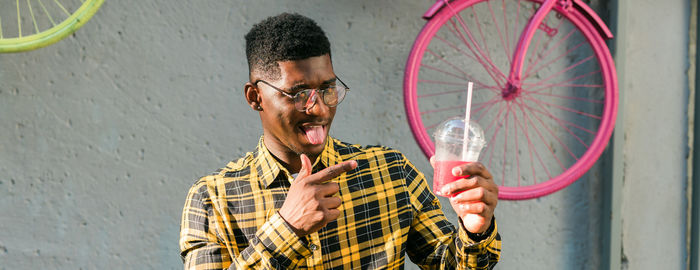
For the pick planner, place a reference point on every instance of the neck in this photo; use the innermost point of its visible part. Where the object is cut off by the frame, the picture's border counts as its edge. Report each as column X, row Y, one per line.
column 290, row 159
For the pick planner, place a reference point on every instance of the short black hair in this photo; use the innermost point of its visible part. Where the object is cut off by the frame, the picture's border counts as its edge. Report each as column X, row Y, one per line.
column 283, row 37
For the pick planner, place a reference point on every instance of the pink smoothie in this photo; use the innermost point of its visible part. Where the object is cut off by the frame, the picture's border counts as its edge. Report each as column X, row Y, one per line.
column 443, row 173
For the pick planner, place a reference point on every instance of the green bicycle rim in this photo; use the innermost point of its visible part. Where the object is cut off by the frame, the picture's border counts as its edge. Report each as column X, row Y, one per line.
column 53, row 34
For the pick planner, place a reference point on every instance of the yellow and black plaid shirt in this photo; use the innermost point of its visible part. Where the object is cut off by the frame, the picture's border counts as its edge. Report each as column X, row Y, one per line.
column 230, row 218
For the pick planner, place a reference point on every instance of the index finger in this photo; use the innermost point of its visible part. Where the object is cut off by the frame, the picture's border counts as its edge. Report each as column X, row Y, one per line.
column 332, row 171
column 473, row 168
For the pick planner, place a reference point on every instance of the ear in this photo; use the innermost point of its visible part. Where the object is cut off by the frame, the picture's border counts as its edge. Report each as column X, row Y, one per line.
column 253, row 96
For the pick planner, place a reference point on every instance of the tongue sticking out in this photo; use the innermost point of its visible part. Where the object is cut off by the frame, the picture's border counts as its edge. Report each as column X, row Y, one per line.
column 314, row 134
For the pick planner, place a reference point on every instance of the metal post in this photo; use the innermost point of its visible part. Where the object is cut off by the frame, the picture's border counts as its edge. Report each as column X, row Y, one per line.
column 613, row 163
column 695, row 206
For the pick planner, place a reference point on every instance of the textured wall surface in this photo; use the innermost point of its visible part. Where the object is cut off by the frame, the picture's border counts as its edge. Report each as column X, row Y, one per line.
column 102, row 134
column 656, row 91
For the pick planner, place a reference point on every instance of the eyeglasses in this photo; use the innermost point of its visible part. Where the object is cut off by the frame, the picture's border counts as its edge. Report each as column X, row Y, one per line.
column 331, row 94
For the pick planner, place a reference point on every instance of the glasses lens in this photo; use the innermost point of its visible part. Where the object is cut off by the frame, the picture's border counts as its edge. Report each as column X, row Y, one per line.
column 301, row 99
column 305, row 99
column 338, row 94
column 330, row 96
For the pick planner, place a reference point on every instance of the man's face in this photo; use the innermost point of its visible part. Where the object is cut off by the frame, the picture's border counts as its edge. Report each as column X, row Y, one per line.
column 286, row 129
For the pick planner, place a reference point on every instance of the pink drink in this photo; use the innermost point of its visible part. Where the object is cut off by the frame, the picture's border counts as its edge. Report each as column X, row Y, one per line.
column 443, row 174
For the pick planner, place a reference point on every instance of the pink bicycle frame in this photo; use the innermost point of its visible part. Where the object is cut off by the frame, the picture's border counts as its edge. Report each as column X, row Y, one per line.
column 531, row 28
column 515, row 75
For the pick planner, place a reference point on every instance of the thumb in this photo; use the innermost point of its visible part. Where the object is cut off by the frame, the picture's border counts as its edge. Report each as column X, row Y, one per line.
column 305, row 166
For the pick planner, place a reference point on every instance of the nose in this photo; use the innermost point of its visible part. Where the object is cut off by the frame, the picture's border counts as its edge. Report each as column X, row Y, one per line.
column 318, row 106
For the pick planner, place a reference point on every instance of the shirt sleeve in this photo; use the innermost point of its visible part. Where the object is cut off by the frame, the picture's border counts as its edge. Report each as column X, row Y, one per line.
column 434, row 243
column 205, row 245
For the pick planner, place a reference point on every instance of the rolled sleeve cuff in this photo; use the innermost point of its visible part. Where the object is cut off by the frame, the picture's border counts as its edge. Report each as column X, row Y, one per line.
column 281, row 241
column 478, row 241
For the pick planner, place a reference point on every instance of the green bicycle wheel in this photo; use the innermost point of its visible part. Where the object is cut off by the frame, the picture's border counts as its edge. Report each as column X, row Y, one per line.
column 31, row 24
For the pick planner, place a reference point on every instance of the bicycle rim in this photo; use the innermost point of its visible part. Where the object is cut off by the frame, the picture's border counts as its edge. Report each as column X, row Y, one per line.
column 541, row 136
column 32, row 24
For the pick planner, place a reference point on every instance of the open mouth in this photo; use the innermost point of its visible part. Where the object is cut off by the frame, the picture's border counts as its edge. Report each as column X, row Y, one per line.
column 314, row 133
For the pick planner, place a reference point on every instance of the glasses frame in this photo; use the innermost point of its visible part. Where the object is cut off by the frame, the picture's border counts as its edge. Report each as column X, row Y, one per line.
column 320, row 92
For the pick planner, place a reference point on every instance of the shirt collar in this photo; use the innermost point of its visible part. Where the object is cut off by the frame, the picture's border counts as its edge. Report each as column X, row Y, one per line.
column 268, row 167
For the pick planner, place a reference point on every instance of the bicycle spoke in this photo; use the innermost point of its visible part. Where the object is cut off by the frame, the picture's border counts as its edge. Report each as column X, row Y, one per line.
column 515, row 30
column 505, row 144
column 556, row 46
column 551, row 116
column 31, row 12
column 516, row 124
column 494, row 120
column 569, row 97
column 477, row 107
column 505, row 33
column 63, row 8
column 442, row 71
column 541, row 83
column 486, row 63
column 448, row 43
column 53, row 23
column 562, row 123
column 452, row 45
column 532, row 65
column 440, row 82
column 441, row 110
column 498, row 29
column 433, row 126
column 471, row 37
column 544, row 142
column 493, row 137
column 517, row 148
column 530, row 144
column 19, row 22
column 527, row 74
column 565, row 108
column 438, row 123
column 556, row 137
column 466, row 76
column 440, row 93
column 539, row 35
column 481, row 33
column 566, row 69
column 445, row 60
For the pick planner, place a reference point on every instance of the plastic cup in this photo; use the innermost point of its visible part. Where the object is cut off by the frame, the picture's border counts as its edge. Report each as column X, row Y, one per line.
column 449, row 149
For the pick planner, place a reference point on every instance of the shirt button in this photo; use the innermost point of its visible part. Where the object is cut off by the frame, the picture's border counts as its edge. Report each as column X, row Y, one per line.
column 313, row 247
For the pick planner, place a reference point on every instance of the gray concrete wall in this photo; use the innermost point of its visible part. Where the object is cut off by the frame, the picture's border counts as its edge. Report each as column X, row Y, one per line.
column 102, row 133
column 655, row 91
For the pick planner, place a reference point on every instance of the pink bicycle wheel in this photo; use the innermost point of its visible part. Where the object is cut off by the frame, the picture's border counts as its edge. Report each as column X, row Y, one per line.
column 546, row 132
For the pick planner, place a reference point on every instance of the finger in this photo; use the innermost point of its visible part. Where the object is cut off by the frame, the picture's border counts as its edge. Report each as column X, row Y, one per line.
column 460, row 185
column 332, row 215
column 331, row 202
column 432, row 161
column 470, row 195
column 478, row 208
column 473, row 168
column 327, row 189
column 305, row 166
column 333, row 171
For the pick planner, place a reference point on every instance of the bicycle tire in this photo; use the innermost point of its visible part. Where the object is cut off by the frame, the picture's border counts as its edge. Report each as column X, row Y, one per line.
column 54, row 31
column 426, row 76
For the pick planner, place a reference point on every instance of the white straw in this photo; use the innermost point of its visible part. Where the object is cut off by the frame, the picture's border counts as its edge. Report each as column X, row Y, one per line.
column 466, row 121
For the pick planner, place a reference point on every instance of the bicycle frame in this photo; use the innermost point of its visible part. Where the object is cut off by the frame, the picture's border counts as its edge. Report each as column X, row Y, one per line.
column 514, row 83
column 577, row 4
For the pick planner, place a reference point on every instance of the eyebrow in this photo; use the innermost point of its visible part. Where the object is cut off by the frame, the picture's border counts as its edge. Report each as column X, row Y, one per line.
column 303, row 86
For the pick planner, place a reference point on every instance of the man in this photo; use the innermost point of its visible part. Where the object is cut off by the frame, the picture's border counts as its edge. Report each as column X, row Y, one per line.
column 306, row 200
